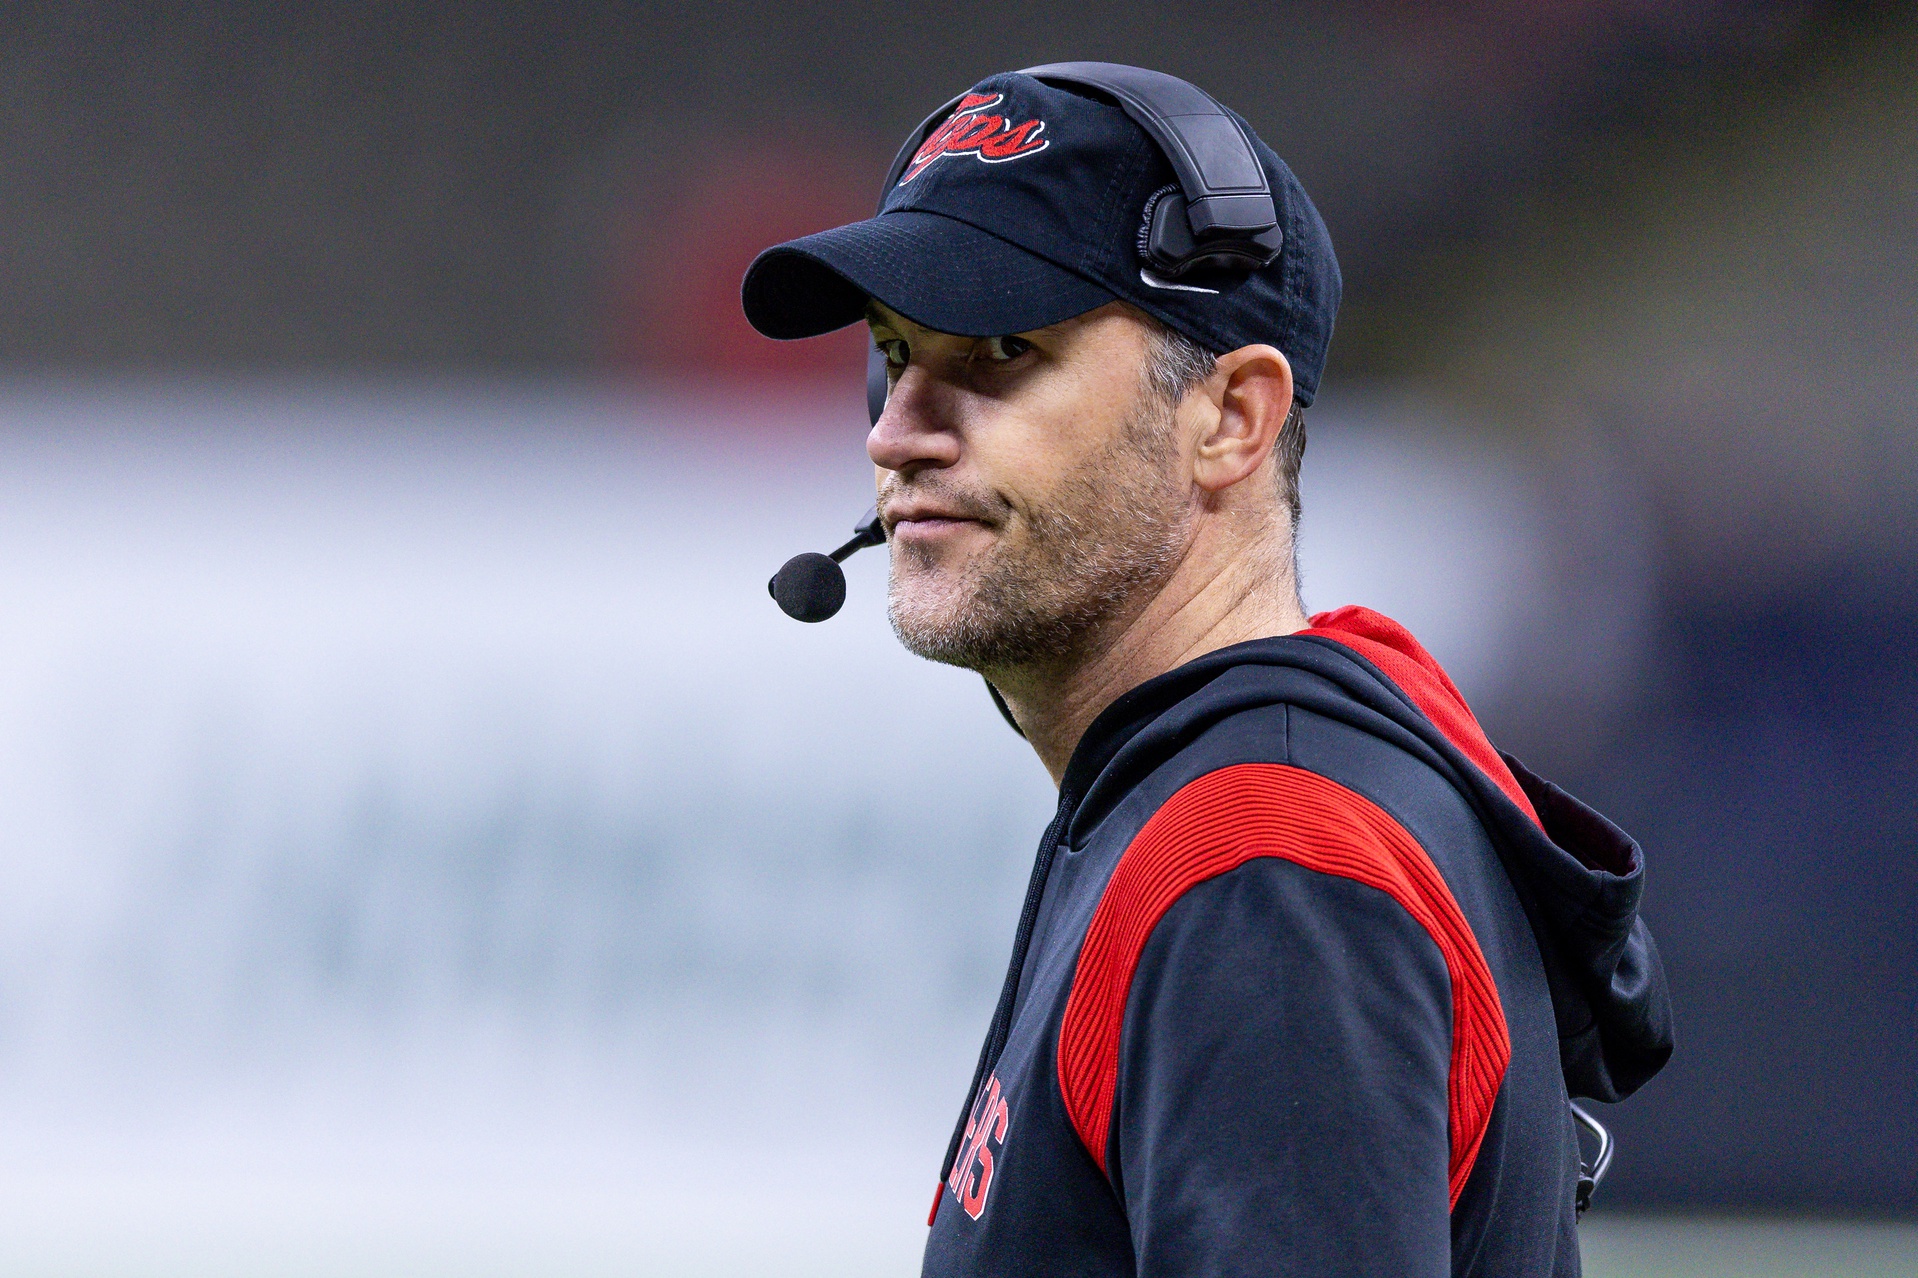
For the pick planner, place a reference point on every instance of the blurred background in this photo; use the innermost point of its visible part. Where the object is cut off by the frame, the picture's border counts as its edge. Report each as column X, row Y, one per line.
column 424, row 848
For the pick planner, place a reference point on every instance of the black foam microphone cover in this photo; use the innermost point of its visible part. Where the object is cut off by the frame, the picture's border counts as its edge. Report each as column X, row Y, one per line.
column 810, row 587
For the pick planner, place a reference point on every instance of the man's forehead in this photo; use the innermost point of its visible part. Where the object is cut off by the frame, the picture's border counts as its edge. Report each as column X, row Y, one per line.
column 881, row 315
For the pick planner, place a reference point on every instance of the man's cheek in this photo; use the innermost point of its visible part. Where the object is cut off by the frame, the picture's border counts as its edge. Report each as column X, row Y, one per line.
column 941, row 570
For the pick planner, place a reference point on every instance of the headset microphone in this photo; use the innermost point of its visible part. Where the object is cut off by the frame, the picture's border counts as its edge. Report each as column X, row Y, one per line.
column 812, row 586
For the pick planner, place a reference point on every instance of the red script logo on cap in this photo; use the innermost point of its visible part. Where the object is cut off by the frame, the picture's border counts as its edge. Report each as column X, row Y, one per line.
column 972, row 132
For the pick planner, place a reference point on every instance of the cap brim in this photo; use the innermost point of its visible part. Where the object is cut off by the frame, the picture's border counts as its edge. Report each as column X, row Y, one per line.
column 935, row 270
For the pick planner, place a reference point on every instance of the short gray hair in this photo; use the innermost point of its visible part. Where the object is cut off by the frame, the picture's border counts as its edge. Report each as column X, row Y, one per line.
column 1174, row 364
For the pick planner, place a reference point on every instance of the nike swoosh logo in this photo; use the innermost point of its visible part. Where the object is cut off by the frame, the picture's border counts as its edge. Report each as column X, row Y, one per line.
column 1156, row 282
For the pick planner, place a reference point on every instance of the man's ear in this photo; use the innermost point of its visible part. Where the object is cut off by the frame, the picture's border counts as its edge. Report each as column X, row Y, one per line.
column 1251, row 393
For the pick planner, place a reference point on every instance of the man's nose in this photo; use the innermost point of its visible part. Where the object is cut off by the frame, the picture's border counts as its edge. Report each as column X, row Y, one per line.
column 910, row 434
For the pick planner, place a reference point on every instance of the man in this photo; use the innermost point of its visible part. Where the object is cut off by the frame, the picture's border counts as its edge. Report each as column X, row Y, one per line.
column 1306, row 966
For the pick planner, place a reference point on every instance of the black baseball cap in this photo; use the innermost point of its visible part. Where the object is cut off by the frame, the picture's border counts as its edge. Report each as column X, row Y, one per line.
column 1031, row 210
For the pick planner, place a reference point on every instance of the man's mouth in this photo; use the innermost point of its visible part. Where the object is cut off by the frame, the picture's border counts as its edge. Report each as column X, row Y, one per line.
column 928, row 518
column 931, row 526
column 931, row 519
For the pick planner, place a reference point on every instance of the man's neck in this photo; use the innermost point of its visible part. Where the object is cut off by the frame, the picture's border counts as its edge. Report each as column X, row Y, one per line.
column 1205, row 606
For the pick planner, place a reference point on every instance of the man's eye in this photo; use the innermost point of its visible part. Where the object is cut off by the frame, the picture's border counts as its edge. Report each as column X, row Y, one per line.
column 896, row 352
column 1001, row 349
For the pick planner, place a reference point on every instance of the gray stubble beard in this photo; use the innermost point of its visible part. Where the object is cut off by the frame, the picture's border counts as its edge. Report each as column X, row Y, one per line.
column 1110, row 538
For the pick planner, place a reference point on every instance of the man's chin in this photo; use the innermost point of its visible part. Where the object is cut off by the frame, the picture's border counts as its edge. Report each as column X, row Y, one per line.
column 937, row 616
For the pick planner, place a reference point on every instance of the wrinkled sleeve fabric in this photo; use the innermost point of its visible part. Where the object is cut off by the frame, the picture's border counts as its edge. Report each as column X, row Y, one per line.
column 1281, row 1103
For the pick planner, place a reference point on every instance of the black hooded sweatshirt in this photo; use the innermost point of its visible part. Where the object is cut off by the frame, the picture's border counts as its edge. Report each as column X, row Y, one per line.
column 1304, row 977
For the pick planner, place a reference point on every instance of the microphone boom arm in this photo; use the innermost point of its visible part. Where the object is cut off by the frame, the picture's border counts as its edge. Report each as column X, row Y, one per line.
column 867, row 532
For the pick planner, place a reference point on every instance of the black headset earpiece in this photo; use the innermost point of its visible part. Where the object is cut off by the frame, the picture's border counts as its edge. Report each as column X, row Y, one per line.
column 1223, row 216
column 1173, row 252
column 877, row 384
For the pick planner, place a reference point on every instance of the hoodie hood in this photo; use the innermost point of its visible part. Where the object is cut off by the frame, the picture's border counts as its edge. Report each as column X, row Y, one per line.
column 1579, row 877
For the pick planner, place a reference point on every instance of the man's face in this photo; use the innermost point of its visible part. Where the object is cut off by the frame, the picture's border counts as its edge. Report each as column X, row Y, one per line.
column 1033, row 487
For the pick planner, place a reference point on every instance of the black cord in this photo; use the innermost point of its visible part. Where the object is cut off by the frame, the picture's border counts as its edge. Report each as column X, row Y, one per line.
column 1590, row 1174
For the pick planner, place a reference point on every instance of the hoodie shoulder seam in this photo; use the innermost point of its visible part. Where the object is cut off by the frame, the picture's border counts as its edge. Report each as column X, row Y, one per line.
column 1213, row 825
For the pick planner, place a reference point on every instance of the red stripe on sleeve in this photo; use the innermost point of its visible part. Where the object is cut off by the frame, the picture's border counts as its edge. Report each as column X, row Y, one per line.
column 1221, row 821
column 1391, row 647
